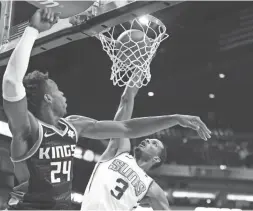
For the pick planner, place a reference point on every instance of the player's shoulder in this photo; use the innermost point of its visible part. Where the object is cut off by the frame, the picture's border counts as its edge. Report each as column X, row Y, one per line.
column 154, row 190
column 127, row 155
column 80, row 123
column 73, row 117
column 76, row 118
column 122, row 155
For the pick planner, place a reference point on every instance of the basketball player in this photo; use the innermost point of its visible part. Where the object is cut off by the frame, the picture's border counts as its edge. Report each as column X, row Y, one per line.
column 119, row 180
column 46, row 141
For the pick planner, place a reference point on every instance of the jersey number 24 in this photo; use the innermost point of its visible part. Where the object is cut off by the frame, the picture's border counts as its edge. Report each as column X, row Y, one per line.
column 61, row 168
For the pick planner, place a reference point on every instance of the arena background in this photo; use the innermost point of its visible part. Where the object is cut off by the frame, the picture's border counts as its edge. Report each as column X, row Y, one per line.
column 205, row 69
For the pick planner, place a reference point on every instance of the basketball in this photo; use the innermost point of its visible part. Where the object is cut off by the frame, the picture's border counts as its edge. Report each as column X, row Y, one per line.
column 133, row 46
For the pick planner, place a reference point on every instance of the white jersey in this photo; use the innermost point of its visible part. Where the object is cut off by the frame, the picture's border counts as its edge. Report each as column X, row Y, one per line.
column 117, row 184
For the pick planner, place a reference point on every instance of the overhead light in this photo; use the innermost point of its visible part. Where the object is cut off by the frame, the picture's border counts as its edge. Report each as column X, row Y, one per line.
column 144, row 20
column 212, row 96
column 76, row 197
column 223, row 167
column 208, row 201
column 4, row 129
column 237, row 197
column 78, row 153
column 221, row 75
column 89, row 155
column 151, row 94
column 97, row 158
column 187, row 194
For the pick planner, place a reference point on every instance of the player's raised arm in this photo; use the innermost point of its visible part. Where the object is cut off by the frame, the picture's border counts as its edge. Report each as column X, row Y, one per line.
column 22, row 124
column 138, row 127
column 157, row 197
column 124, row 112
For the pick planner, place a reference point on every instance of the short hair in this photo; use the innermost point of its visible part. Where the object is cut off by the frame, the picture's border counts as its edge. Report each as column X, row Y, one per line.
column 35, row 86
column 162, row 156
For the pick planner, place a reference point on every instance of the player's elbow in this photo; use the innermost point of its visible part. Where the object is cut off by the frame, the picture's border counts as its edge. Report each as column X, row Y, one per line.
column 108, row 129
column 12, row 90
column 7, row 83
column 9, row 78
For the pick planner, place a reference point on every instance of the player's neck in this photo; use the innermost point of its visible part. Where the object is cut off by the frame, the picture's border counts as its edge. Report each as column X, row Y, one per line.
column 49, row 118
column 145, row 166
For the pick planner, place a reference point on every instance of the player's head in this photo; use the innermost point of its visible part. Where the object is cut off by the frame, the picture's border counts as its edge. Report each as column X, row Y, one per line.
column 151, row 151
column 43, row 93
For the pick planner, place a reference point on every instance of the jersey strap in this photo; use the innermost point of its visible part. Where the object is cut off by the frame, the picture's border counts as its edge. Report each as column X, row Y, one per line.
column 71, row 126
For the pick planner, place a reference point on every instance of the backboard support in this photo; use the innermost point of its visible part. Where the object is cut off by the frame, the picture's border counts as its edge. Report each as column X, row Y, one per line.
column 104, row 17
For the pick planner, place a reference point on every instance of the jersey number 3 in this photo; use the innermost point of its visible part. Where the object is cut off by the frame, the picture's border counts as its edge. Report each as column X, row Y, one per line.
column 61, row 168
column 119, row 190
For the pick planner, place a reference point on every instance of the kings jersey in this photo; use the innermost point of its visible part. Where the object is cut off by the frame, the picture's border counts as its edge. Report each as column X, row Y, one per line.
column 50, row 164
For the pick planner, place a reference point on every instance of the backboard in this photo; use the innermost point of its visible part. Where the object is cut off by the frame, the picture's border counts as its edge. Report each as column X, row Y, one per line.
column 79, row 20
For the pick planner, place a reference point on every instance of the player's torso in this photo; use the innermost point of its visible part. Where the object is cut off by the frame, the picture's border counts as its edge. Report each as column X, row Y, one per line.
column 51, row 167
column 116, row 184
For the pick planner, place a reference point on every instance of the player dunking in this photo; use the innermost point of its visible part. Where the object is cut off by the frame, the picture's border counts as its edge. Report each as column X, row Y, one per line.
column 46, row 141
column 119, row 180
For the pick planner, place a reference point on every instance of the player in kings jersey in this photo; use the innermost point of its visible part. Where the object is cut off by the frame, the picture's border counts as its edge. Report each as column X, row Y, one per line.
column 50, row 163
column 43, row 139
column 119, row 180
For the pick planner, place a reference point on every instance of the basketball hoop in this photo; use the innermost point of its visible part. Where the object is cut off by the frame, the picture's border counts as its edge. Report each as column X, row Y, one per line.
column 131, row 46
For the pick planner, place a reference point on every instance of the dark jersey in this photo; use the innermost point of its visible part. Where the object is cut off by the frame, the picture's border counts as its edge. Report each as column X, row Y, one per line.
column 50, row 164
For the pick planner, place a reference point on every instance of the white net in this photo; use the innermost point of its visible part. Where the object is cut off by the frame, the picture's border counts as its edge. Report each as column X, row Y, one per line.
column 131, row 47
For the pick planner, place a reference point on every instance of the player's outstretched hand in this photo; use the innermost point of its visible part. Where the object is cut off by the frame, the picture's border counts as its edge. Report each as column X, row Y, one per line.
column 194, row 123
column 44, row 19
